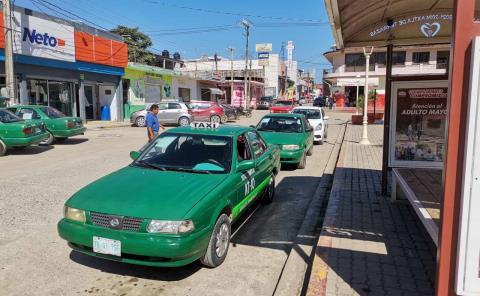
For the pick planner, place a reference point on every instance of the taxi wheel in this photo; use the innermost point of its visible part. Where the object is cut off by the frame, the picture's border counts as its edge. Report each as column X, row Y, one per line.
column 310, row 151
column 219, row 242
column 183, row 121
column 303, row 162
column 215, row 118
column 49, row 140
column 140, row 121
column 269, row 193
column 3, row 148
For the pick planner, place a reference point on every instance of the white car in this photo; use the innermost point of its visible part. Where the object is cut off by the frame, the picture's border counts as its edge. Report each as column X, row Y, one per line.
column 317, row 119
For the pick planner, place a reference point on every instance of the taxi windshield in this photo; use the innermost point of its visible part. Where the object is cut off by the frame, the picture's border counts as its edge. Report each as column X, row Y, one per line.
column 280, row 124
column 283, row 103
column 52, row 112
column 192, row 153
column 8, row 117
column 309, row 113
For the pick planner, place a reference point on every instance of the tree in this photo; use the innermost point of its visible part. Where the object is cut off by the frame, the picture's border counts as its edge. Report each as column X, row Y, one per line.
column 138, row 44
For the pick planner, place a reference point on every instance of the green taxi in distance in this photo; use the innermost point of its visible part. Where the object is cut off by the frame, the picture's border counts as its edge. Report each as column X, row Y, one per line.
column 17, row 133
column 59, row 126
column 175, row 202
column 292, row 133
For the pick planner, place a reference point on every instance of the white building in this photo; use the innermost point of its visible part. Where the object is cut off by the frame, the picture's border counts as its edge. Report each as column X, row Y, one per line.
column 349, row 66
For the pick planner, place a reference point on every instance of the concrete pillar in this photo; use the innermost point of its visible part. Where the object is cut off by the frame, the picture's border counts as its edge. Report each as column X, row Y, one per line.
column 82, row 99
column 118, row 102
column 23, row 95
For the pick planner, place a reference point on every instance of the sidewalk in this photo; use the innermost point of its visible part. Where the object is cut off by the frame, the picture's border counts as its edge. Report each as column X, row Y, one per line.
column 98, row 124
column 369, row 245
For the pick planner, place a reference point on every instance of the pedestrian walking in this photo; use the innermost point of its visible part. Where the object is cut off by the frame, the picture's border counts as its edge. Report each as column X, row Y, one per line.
column 153, row 126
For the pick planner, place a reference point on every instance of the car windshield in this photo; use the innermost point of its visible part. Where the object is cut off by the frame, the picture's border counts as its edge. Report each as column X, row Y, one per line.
column 283, row 103
column 52, row 112
column 190, row 153
column 280, row 124
column 309, row 113
column 7, row 117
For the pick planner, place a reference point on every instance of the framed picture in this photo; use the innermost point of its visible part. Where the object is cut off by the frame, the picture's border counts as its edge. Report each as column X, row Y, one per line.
column 418, row 124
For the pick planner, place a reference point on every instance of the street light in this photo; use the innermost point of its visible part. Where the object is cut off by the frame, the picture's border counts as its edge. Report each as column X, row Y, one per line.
column 358, row 82
column 364, row 140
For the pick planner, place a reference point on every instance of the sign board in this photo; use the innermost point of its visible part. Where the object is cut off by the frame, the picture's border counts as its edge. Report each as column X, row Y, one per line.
column 468, row 258
column 34, row 36
column 263, row 47
column 418, row 124
column 263, row 58
column 374, row 82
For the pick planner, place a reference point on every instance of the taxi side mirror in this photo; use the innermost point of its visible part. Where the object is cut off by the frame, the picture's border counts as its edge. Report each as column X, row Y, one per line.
column 134, row 155
column 245, row 165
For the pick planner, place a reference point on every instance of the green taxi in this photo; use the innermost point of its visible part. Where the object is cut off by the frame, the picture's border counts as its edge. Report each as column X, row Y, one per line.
column 59, row 126
column 17, row 133
column 292, row 133
column 176, row 201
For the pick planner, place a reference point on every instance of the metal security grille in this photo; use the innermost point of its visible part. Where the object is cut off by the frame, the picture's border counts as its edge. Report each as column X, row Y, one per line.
column 127, row 223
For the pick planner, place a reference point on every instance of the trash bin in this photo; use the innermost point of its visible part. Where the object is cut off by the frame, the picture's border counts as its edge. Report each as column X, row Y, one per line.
column 105, row 113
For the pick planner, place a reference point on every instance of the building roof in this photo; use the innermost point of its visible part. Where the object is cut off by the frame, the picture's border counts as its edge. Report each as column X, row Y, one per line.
column 399, row 22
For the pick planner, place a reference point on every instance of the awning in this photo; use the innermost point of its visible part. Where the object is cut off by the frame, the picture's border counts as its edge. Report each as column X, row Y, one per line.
column 399, row 22
column 216, row 91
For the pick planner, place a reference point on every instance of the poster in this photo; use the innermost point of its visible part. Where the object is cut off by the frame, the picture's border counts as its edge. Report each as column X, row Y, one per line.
column 418, row 124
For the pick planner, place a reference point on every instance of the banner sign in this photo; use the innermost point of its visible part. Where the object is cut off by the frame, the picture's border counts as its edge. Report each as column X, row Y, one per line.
column 418, row 124
column 263, row 47
column 43, row 38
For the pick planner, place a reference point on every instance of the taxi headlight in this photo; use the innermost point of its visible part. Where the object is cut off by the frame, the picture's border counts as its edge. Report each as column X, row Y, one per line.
column 290, row 147
column 318, row 127
column 74, row 214
column 170, row 227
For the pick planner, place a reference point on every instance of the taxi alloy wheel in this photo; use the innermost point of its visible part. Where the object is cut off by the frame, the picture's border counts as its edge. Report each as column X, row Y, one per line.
column 140, row 121
column 3, row 148
column 183, row 121
column 49, row 140
column 219, row 242
column 215, row 119
column 269, row 192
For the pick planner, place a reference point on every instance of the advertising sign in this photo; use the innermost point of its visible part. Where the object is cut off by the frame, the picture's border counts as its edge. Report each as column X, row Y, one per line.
column 418, row 122
column 39, row 37
column 468, row 258
column 263, row 47
column 263, row 58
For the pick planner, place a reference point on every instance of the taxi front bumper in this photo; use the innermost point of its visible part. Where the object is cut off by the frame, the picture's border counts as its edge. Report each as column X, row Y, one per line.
column 287, row 156
column 138, row 247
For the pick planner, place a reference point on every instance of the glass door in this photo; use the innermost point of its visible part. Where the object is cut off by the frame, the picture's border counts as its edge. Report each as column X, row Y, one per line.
column 60, row 96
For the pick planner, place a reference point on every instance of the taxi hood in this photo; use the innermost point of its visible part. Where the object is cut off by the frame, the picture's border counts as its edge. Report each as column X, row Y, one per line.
column 146, row 193
column 282, row 138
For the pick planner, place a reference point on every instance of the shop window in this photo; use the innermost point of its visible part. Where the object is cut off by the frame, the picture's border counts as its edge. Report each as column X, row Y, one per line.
column 37, row 92
column 398, row 58
column 443, row 58
column 206, row 94
column 108, row 92
column 421, row 57
column 184, row 94
column 60, row 96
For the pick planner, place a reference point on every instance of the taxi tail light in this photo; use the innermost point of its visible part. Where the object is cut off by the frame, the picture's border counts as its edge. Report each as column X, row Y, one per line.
column 70, row 124
column 28, row 130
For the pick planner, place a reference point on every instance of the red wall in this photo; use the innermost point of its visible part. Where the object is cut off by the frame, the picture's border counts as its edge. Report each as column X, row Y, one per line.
column 99, row 50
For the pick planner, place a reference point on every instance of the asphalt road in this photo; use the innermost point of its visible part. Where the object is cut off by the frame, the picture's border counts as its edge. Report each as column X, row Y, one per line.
column 35, row 182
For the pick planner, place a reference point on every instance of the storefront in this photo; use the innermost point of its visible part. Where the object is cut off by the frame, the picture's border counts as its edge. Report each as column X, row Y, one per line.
column 72, row 67
column 146, row 85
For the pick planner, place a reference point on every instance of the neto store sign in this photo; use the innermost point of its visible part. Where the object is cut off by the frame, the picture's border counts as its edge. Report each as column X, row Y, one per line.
column 39, row 37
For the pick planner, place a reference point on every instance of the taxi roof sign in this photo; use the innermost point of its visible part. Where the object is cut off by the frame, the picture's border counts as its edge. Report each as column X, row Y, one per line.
column 205, row 124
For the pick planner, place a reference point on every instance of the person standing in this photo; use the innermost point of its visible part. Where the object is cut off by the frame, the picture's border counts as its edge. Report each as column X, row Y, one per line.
column 153, row 126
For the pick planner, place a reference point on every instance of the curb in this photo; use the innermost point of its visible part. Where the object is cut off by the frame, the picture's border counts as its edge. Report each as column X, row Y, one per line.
column 99, row 127
column 296, row 268
column 317, row 283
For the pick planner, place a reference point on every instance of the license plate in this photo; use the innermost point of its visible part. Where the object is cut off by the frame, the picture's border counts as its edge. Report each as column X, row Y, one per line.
column 107, row 246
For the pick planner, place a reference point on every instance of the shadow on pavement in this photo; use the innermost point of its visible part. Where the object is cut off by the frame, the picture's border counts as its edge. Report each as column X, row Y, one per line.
column 29, row 150
column 70, row 141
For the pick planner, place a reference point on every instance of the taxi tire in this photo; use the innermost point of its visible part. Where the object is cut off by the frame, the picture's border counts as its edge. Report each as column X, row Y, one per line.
column 310, row 151
column 303, row 162
column 49, row 140
column 210, row 259
column 3, row 148
column 269, row 193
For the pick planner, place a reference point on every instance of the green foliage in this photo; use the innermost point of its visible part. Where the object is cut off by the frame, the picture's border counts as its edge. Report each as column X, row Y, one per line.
column 138, row 44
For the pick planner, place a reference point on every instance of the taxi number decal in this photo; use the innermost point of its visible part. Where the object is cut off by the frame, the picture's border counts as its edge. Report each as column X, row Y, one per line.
column 249, row 186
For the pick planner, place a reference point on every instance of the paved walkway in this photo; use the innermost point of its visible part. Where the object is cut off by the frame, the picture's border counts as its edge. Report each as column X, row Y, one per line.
column 369, row 245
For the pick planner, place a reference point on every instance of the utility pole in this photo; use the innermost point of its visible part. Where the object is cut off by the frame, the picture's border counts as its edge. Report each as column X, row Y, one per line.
column 249, row 80
column 9, row 73
column 364, row 140
column 231, row 49
column 246, row 26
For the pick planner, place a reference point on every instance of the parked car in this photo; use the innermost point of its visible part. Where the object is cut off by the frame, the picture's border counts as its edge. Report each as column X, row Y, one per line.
column 319, row 101
column 18, row 133
column 171, row 112
column 292, row 132
column 207, row 178
column 230, row 112
column 266, row 102
column 283, row 106
column 59, row 126
column 317, row 119
column 207, row 111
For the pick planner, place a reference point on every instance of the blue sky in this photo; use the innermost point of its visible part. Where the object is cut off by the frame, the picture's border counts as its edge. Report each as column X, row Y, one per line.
column 304, row 22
